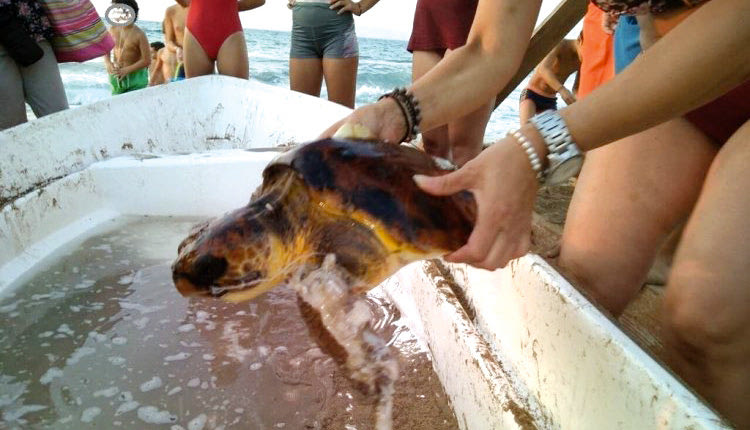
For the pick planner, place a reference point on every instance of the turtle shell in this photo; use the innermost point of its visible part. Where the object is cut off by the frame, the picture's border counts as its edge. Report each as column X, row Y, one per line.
column 376, row 179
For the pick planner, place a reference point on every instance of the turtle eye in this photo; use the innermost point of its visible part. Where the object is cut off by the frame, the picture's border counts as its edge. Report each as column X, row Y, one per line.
column 207, row 269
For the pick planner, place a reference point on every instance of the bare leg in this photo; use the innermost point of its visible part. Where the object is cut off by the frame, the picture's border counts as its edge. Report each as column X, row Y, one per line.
column 466, row 134
column 341, row 79
column 526, row 109
column 232, row 57
column 306, row 75
column 707, row 302
column 435, row 142
column 197, row 62
column 629, row 197
column 460, row 140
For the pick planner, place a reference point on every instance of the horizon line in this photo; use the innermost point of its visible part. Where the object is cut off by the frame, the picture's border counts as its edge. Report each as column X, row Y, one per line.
column 289, row 31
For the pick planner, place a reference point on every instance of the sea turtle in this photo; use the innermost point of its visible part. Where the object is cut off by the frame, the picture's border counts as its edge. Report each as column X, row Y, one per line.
column 353, row 199
column 333, row 218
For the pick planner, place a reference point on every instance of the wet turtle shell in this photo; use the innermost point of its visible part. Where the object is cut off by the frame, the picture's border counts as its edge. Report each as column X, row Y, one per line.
column 354, row 199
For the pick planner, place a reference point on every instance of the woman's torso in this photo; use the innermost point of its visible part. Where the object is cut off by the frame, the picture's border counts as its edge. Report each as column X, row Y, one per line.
column 216, row 12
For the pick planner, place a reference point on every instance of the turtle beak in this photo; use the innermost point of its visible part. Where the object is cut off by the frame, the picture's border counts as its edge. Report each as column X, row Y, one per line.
column 196, row 278
column 187, row 288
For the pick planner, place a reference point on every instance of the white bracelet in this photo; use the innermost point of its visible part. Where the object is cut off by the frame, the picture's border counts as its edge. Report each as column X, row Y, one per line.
column 528, row 148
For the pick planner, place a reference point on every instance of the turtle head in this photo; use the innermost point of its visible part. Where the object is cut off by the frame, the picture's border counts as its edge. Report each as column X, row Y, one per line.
column 234, row 257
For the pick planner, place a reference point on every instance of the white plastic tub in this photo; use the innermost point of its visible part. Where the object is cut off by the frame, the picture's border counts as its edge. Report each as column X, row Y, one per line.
column 535, row 355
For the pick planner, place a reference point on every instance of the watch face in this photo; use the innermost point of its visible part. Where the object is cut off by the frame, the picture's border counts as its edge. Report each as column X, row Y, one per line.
column 566, row 169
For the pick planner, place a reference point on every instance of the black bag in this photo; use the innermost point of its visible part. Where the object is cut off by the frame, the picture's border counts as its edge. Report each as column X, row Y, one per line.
column 14, row 38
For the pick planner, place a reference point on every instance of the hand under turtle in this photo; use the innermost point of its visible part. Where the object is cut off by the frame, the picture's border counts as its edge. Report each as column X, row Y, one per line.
column 505, row 200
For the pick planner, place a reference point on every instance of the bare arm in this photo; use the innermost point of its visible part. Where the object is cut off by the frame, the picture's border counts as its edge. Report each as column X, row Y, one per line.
column 474, row 73
column 244, row 5
column 709, row 51
column 156, row 70
column 556, row 60
column 108, row 63
column 467, row 77
column 546, row 69
column 108, row 57
column 170, row 38
column 357, row 8
column 365, row 5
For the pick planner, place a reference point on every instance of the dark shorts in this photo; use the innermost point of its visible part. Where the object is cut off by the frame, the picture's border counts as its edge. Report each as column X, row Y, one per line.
column 319, row 32
column 718, row 119
column 441, row 24
column 541, row 102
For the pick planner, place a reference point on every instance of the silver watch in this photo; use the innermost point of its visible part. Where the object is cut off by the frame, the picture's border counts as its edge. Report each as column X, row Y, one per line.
column 564, row 159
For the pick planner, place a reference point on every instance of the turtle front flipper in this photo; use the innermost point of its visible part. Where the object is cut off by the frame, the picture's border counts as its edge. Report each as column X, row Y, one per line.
column 341, row 321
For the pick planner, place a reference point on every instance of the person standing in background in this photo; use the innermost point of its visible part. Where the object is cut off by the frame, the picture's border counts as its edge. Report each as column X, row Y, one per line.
column 132, row 56
column 28, row 67
column 214, row 38
column 441, row 26
column 549, row 78
column 324, row 46
column 173, row 28
column 597, row 51
column 163, row 64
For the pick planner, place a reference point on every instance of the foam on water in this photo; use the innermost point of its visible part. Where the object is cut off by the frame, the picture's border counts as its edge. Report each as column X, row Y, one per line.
column 152, row 415
column 137, row 355
column 107, row 392
column 89, row 414
column 151, row 384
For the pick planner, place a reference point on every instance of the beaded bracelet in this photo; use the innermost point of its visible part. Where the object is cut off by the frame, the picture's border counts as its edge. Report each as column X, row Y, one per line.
column 536, row 163
column 409, row 106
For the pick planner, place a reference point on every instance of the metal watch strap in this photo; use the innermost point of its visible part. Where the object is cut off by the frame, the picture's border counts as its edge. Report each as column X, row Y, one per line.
column 557, row 137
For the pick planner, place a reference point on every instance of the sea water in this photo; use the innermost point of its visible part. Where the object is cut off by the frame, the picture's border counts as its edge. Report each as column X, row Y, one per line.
column 100, row 338
column 383, row 65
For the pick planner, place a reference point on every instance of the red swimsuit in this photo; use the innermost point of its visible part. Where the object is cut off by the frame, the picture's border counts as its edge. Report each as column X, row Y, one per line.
column 211, row 22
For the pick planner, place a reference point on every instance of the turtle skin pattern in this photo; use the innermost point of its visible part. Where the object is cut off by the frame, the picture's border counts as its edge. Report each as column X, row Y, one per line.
column 353, row 199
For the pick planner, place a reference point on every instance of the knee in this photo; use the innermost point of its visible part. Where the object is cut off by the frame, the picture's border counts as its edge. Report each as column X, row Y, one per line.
column 701, row 316
column 608, row 287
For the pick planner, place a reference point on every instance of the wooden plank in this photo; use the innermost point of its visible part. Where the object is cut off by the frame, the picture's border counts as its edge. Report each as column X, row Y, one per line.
column 558, row 24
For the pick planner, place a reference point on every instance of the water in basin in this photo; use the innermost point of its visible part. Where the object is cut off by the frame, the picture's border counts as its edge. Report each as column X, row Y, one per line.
column 100, row 338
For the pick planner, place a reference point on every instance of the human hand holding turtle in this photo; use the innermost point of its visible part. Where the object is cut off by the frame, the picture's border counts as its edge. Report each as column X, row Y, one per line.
column 504, row 196
column 383, row 119
column 504, row 187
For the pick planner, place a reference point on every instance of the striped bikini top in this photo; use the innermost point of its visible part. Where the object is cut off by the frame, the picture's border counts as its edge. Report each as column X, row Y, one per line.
column 636, row 7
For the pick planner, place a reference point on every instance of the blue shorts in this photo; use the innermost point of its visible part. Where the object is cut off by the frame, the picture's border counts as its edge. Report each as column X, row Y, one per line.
column 627, row 42
column 319, row 32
